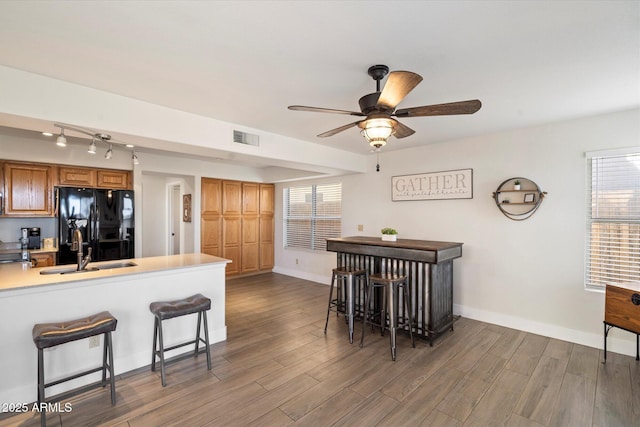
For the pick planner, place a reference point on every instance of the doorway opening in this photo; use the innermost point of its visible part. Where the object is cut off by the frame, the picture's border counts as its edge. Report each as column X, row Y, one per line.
column 175, row 219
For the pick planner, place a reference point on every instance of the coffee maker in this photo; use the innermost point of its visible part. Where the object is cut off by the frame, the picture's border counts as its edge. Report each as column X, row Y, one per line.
column 30, row 238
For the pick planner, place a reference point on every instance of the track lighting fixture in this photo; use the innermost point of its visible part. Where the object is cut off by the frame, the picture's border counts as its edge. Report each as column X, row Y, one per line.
column 61, row 141
column 95, row 138
column 92, row 146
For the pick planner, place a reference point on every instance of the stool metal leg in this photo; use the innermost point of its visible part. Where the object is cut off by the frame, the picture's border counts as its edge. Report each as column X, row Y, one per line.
column 161, row 351
column 333, row 279
column 43, row 421
column 109, row 341
column 367, row 302
column 155, row 343
column 407, row 305
column 350, row 304
column 206, row 339
column 198, row 334
column 104, row 360
column 391, row 307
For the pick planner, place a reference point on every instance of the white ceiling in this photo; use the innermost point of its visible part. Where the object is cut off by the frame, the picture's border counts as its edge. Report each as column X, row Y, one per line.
column 244, row 62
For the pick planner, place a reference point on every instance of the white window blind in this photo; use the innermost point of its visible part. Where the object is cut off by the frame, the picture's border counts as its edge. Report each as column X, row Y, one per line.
column 613, row 220
column 312, row 214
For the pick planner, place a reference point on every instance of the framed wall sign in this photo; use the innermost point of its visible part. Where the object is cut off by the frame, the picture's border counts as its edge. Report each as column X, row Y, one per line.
column 186, row 208
column 445, row 185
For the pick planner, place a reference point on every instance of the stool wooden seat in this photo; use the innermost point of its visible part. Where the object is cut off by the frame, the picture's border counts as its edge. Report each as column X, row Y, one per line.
column 46, row 335
column 163, row 310
column 347, row 277
column 391, row 284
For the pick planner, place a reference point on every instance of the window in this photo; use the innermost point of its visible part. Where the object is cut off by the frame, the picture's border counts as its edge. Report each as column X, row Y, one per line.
column 312, row 214
column 613, row 219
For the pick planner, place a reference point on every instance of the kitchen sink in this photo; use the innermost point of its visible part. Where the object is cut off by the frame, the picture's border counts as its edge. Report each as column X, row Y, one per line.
column 67, row 270
column 74, row 270
column 113, row 265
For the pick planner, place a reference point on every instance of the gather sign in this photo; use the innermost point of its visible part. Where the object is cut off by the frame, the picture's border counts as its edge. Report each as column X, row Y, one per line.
column 454, row 184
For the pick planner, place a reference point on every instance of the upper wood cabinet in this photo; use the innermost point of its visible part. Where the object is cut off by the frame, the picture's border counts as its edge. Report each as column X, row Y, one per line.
column 267, row 199
column 231, row 198
column 250, row 198
column 77, row 177
column 94, row 178
column 28, row 189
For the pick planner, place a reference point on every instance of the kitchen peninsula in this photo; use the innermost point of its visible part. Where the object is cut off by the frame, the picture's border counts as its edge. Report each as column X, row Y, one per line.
column 28, row 297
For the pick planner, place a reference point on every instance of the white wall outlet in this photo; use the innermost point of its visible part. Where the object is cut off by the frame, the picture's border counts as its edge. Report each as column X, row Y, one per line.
column 94, row 341
column 360, row 227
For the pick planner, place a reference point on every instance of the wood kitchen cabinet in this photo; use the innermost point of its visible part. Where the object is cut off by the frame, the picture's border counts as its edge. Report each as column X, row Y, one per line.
column 95, row 178
column 211, row 217
column 44, row 259
column 233, row 225
column 28, row 189
column 267, row 200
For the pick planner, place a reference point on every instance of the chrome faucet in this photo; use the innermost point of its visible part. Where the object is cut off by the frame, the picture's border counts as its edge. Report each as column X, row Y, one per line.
column 76, row 245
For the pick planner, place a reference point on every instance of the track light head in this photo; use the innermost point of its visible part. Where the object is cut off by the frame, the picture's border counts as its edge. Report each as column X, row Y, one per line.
column 61, row 141
column 134, row 158
column 109, row 154
column 92, row 146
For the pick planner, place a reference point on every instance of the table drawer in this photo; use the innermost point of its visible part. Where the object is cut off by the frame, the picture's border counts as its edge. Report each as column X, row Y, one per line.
column 620, row 310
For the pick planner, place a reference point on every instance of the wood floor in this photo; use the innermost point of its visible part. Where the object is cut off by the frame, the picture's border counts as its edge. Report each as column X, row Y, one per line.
column 277, row 368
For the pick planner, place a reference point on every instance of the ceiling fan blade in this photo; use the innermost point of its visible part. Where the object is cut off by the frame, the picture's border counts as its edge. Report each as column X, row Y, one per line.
column 452, row 108
column 402, row 131
column 338, row 130
column 323, row 110
column 398, row 85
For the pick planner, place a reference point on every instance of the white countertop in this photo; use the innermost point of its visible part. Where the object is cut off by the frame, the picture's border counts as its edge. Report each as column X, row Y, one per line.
column 13, row 276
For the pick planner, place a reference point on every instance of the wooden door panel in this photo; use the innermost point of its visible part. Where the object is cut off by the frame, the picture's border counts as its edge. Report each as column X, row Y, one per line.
column 210, row 235
column 77, row 177
column 231, row 198
column 266, row 229
column 233, row 253
column 250, row 198
column 114, row 179
column 211, row 196
column 232, row 231
column 250, row 230
column 266, row 256
column 250, row 255
column 28, row 189
column 267, row 199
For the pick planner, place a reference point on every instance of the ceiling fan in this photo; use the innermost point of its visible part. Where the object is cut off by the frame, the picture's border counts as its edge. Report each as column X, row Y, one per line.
column 379, row 108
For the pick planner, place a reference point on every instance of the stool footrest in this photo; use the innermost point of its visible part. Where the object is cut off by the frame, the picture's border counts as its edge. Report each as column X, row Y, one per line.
column 73, row 377
column 173, row 347
column 76, row 391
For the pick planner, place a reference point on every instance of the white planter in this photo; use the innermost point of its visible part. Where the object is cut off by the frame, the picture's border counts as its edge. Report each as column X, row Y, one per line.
column 516, row 186
column 389, row 237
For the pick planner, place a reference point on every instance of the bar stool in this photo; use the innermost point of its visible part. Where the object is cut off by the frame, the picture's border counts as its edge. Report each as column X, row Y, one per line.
column 391, row 284
column 346, row 276
column 163, row 310
column 46, row 335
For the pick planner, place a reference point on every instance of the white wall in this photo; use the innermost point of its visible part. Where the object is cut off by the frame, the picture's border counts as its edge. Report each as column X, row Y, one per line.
column 526, row 275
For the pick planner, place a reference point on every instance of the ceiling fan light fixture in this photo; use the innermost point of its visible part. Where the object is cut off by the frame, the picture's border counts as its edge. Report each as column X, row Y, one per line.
column 377, row 131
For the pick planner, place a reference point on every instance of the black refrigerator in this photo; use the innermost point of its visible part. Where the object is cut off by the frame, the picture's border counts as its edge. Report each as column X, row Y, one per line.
column 105, row 219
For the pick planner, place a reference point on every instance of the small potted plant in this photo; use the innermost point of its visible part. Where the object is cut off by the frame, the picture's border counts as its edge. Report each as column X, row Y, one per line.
column 516, row 184
column 389, row 234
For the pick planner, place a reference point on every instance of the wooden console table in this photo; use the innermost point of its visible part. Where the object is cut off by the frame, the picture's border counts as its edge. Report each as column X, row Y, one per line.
column 622, row 310
column 428, row 265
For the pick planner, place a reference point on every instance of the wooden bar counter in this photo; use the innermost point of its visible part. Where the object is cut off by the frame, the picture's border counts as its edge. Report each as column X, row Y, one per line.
column 428, row 265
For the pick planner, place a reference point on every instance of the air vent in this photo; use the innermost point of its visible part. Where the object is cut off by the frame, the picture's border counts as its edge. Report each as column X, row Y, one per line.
column 246, row 138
